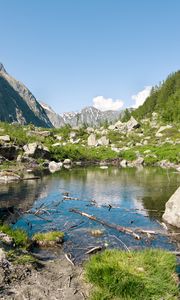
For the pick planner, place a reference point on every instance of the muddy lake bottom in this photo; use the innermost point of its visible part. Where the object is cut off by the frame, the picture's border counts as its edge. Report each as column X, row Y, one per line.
column 131, row 197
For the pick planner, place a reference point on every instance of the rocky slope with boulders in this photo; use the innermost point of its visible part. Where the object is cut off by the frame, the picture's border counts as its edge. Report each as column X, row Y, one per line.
column 127, row 144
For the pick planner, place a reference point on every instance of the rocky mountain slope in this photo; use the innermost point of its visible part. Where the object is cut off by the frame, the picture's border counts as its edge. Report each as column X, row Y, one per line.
column 17, row 104
column 89, row 116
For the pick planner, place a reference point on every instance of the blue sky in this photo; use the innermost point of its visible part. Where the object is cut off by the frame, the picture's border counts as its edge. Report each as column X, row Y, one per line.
column 68, row 52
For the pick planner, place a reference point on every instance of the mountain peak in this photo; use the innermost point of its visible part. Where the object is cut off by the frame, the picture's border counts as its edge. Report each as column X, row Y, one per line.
column 2, row 68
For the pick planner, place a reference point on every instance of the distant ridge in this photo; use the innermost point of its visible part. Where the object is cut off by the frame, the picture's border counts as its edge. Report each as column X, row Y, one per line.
column 89, row 116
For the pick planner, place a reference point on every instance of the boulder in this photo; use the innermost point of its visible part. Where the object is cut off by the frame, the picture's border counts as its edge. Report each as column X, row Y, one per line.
column 123, row 163
column 72, row 135
column 92, row 140
column 58, row 137
column 162, row 128
column 36, row 150
column 112, row 127
column 172, row 211
column 5, row 138
column 132, row 124
column 7, row 176
column 90, row 130
column 55, row 166
column 103, row 141
column 67, row 161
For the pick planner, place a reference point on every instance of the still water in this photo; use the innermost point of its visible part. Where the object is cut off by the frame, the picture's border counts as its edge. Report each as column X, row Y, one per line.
column 137, row 198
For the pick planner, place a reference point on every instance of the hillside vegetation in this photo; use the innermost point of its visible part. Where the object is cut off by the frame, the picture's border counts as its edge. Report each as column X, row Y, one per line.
column 164, row 99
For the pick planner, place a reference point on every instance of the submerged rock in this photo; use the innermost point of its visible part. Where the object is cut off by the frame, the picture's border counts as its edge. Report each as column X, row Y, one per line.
column 172, row 211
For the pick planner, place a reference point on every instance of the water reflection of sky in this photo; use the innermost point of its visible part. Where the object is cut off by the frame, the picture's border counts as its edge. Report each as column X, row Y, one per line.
column 132, row 193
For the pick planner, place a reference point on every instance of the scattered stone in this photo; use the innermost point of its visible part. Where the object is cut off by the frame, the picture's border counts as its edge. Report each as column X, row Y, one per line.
column 58, row 137
column 103, row 167
column 72, row 135
column 139, row 161
column 7, row 176
column 5, row 138
column 162, row 128
column 67, row 161
column 96, row 232
column 123, row 163
column 90, row 130
column 6, row 238
column 92, row 140
column 132, row 124
column 103, row 141
column 172, row 211
column 54, row 166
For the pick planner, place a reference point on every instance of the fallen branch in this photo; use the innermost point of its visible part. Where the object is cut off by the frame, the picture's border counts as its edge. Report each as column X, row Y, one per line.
column 110, row 225
column 68, row 258
column 31, row 178
column 94, row 250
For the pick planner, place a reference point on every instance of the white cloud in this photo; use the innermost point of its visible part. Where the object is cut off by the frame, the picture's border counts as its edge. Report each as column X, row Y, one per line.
column 141, row 96
column 104, row 104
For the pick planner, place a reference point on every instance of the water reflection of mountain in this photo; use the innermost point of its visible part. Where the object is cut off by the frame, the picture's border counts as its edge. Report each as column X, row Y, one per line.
column 145, row 188
column 20, row 196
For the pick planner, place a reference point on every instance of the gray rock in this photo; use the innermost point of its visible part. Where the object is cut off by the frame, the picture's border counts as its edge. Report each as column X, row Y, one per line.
column 67, row 161
column 92, row 140
column 161, row 129
column 7, row 176
column 5, row 138
column 123, row 163
column 103, row 141
column 90, row 130
column 172, row 211
column 132, row 124
column 54, row 166
column 36, row 150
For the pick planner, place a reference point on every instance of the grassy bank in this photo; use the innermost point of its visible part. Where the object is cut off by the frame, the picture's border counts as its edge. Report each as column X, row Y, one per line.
column 143, row 275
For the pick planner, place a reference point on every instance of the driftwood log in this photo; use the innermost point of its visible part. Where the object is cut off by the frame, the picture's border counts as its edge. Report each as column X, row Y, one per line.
column 110, row 225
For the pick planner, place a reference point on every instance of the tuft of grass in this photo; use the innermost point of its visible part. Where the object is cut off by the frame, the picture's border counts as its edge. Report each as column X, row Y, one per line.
column 51, row 236
column 19, row 236
column 147, row 274
column 20, row 258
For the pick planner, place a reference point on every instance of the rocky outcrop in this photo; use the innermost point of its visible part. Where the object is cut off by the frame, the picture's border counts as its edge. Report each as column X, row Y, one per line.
column 17, row 104
column 172, row 211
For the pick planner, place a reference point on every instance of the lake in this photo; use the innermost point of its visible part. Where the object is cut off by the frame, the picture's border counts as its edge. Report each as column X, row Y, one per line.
column 130, row 197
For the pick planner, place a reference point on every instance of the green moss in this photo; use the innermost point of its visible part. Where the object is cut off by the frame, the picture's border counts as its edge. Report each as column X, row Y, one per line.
column 48, row 236
column 19, row 236
column 148, row 274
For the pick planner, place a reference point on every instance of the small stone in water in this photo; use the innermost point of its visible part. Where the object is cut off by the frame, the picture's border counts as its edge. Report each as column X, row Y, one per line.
column 96, row 232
